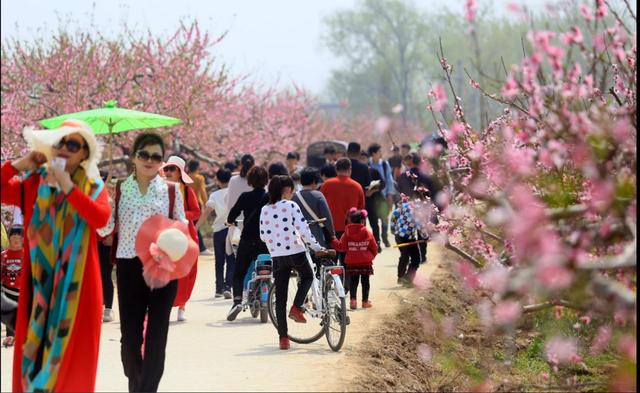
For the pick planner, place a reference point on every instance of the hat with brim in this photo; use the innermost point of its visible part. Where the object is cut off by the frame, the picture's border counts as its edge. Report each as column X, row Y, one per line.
column 44, row 140
column 166, row 250
column 178, row 162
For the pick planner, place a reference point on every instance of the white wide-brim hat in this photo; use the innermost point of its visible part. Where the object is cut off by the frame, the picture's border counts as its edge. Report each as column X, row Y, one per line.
column 44, row 140
column 179, row 162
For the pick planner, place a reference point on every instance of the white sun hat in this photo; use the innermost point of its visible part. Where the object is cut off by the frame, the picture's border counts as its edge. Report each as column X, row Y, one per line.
column 44, row 140
column 179, row 162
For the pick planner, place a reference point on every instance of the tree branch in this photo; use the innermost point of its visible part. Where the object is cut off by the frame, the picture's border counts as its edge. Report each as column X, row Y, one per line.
column 605, row 287
column 566, row 212
column 551, row 303
column 464, row 254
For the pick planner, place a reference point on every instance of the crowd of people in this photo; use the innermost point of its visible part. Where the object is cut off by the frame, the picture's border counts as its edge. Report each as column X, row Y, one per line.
column 78, row 226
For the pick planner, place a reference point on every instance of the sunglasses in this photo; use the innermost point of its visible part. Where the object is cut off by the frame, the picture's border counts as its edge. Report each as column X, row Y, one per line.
column 171, row 168
column 145, row 156
column 72, row 145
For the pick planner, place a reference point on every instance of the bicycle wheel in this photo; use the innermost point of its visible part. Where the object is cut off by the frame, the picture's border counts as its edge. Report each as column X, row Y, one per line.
column 335, row 315
column 302, row 333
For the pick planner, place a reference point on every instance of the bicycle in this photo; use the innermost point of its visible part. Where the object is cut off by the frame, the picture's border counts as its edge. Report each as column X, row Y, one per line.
column 325, row 305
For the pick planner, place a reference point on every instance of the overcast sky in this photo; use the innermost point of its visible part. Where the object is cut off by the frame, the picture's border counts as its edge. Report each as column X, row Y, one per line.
column 276, row 41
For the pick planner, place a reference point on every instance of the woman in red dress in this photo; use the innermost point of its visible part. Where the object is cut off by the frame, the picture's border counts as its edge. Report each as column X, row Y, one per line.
column 64, row 202
column 174, row 171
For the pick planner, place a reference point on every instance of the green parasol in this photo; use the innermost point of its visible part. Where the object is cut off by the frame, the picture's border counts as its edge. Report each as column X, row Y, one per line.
column 110, row 120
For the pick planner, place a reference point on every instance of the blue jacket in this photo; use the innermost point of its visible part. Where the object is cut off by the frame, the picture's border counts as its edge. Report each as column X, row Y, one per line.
column 383, row 167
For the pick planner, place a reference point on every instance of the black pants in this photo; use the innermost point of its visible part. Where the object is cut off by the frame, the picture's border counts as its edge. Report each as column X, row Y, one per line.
column 353, row 286
column 106, row 268
column 135, row 300
column 281, row 271
column 247, row 253
column 408, row 253
column 423, row 248
column 372, row 214
column 9, row 317
column 223, row 283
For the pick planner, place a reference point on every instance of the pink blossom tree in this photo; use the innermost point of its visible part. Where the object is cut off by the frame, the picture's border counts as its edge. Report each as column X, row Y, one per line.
column 541, row 204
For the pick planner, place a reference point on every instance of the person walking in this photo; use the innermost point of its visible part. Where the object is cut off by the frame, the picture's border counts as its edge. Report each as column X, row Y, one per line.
column 218, row 205
column 238, row 185
column 140, row 196
column 106, row 271
column 174, row 171
column 403, row 226
column 342, row 193
column 59, row 314
column 361, row 248
column 10, row 267
column 283, row 229
column 198, row 184
column 314, row 206
column 250, row 246
column 383, row 201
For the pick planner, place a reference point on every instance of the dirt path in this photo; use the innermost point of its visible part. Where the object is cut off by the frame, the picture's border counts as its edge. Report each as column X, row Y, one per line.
column 207, row 353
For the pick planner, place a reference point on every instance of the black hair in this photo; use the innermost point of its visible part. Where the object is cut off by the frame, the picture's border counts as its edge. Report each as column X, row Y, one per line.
column 309, row 175
column 406, row 146
column 357, row 217
column 276, row 185
column 374, row 148
column 328, row 171
column 193, row 165
column 257, row 177
column 343, row 164
column 353, row 148
column 364, row 154
column 330, row 150
column 395, row 149
column 104, row 174
column 293, row 155
column 16, row 230
column 247, row 161
column 147, row 139
column 277, row 168
column 414, row 158
column 230, row 165
column 223, row 175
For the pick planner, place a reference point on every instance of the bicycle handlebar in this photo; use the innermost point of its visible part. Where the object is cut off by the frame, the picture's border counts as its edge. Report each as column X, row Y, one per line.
column 326, row 253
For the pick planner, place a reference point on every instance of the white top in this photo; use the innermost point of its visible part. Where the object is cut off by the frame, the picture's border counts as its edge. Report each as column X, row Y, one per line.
column 283, row 228
column 237, row 185
column 135, row 208
column 218, row 202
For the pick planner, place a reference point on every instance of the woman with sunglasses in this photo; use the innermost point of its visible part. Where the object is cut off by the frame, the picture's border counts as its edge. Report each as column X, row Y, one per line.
column 173, row 171
column 59, row 314
column 140, row 196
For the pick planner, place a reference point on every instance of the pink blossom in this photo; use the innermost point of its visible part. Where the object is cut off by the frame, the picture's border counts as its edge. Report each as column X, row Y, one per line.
column 601, row 340
column 496, row 278
column 382, row 124
column 561, row 350
column 468, row 274
column 439, row 95
column 586, row 12
column 474, row 84
column 470, row 10
column 573, row 36
column 424, row 352
column 507, row 312
column 627, row 345
column 521, row 160
column 602, row 9
column 448, row 326
column 510, row 89
column 554, row 277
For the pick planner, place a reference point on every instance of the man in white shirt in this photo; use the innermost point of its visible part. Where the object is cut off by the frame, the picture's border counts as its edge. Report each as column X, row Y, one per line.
column 217, row 203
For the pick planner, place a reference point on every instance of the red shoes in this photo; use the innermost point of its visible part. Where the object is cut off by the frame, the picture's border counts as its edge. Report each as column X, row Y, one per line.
column 284, row 343
column 353, row 304
column 297, row 314
column 367, row 304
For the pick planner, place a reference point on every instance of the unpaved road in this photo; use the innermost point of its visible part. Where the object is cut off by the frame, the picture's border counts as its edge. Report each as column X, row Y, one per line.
column 207, row 353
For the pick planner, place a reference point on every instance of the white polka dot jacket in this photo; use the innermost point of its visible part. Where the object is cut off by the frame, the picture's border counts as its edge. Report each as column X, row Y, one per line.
column 283, row 229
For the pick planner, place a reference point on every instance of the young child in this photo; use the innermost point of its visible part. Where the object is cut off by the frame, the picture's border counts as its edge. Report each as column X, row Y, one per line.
column 361, row 248
column 403, row 226
column 11, row 264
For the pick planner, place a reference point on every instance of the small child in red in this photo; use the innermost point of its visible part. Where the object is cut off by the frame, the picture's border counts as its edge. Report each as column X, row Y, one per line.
column 361, row 248
column 11, row 265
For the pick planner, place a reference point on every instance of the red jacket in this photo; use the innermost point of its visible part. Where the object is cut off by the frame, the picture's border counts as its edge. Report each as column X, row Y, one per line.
column 342, row 193
column 359, row 244
column 11, row 266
